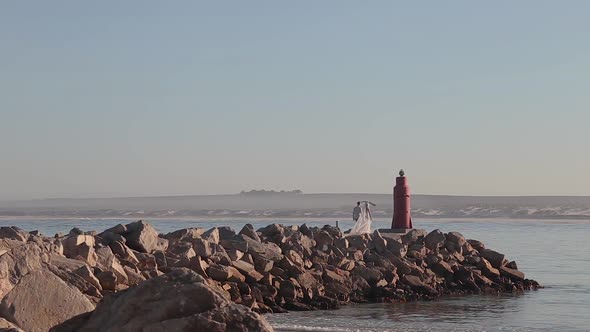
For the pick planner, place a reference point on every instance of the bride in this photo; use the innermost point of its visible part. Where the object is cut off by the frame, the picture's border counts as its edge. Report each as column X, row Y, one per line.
column 363, row 224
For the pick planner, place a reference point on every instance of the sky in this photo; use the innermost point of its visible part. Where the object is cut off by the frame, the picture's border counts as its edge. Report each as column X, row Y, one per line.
column 144, row 98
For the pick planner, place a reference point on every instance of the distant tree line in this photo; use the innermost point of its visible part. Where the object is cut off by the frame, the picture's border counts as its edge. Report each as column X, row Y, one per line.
column 270, row 192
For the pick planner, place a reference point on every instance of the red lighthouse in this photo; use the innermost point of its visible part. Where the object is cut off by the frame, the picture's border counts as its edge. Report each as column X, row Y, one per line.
column 402, row 220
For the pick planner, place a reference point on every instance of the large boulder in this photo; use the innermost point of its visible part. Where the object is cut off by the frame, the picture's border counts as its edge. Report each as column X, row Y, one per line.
column 80, row 247
column 497, row 259
column 142, row 237
column 434, row 239
column 41, row 300
column 18, row 262
column 456, row 238
column 177, row 301
column 107, row 261
column 13, row 233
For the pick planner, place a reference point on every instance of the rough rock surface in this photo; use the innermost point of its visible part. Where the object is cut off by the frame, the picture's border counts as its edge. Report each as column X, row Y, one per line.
column 176, row 301
column 6, row 326
column 41, row 300
column 272, row 269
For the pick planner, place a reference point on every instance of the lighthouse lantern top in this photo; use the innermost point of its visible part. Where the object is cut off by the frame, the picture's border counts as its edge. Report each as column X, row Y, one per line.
column 401, row 172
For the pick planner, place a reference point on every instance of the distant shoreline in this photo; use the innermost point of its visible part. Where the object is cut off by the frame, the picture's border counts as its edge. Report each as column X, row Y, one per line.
column 329, row 220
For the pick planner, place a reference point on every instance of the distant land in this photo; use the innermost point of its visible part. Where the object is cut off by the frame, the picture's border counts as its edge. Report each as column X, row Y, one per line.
column 296, row 204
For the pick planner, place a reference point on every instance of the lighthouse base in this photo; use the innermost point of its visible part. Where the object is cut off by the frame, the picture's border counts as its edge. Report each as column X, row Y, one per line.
column 401, row 231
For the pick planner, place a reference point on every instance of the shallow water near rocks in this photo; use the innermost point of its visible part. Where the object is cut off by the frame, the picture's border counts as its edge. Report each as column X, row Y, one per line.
column 554, row 252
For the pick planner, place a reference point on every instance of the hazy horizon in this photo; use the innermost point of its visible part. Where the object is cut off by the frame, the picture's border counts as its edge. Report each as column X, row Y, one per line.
column 135, row 99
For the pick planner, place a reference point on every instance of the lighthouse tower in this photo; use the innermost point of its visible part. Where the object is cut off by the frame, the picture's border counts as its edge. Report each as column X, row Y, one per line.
column 402, row 220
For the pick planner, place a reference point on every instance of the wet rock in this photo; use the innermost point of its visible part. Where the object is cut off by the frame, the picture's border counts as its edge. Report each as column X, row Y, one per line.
column 41, row 300
column 177, row 301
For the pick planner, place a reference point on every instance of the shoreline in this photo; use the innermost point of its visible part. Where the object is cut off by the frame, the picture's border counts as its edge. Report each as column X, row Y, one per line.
column 294, row 219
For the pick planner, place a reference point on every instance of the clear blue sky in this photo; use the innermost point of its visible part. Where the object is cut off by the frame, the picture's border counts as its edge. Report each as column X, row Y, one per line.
column 112, row 98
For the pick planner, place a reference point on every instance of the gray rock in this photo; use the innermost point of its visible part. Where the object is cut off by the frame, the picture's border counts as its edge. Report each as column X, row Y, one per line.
column 80, row 247
column 248, row 230
column 6, row 326
column 118, row 229
column 487, row 269
column 218, row 272
column 85, row 273
column 42, row 300
column 142, row 237
column 497, row 259
column 456, row 238
column 17, row 263
column 413, row 235
column 107, row 280
column 107, row 261
column 380, row 242
column 13, row 233
column 434, row 240
column 511, row 273
column 212, row 235
column 177, row 301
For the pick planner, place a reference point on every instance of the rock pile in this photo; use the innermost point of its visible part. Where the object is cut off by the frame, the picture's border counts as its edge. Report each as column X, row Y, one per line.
column 131, row 278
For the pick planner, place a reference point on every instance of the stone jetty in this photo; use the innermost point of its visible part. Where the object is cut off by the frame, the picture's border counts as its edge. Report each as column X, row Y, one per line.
column 130, row 278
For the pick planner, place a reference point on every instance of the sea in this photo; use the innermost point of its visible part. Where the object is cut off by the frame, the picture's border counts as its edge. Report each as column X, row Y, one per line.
column 556, row 253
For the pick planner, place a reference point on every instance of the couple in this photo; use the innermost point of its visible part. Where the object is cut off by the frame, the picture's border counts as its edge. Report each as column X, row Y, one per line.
column 361, row 214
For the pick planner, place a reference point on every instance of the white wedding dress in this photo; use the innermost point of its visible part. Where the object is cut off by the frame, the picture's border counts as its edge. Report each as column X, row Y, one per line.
column 363, row 225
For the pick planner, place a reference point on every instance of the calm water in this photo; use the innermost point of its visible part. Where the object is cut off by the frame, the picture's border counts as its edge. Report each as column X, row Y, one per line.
column 555, row 253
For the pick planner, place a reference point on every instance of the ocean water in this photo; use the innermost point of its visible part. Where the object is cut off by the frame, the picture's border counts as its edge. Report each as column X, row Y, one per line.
column 554, row 252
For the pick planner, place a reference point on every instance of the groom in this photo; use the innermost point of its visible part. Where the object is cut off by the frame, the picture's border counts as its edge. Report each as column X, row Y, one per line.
column 356, row 212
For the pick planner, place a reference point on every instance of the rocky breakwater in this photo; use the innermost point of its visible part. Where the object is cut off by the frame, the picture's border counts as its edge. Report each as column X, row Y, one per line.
column 130, row 278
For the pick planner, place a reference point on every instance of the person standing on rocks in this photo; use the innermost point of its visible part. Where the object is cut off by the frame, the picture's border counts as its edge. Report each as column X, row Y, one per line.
column 356, row 212
column 364, row 220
